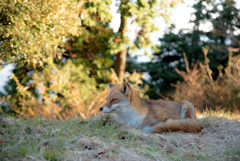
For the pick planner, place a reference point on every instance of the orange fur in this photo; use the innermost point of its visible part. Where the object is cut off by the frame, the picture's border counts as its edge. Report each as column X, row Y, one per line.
column 185, row 125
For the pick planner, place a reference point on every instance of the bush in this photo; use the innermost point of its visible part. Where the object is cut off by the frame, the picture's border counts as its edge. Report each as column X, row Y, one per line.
column 59, row 92
column 64, row 92
column 31, row 31
column 203, row 91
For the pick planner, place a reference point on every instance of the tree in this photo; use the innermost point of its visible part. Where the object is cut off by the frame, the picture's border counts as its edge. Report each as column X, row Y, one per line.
column 224, row 18
column 142, row 14
column 31, row 31
column 61, row 50
column 95, row 17
column 91, row 48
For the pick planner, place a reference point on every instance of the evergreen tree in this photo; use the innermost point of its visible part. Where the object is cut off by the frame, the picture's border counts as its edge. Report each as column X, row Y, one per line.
column 224, row 18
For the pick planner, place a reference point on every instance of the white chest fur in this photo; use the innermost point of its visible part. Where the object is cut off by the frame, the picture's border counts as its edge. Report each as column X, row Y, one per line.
column 129, row 115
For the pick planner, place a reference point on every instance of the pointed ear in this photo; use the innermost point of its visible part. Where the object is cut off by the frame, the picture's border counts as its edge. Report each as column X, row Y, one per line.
column 124, row 88
column 110, row 85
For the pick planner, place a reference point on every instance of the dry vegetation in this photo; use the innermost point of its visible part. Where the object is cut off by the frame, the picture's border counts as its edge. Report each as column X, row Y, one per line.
column 70, row 97
column 31, row 137
column 101, row 138
column 203, row 91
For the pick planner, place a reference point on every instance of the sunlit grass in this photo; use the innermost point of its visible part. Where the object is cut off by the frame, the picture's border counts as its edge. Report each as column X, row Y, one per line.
column 219, row 114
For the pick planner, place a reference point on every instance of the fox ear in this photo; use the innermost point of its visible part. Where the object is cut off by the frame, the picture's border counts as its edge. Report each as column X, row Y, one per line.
column 124, row 88
column 110, row 85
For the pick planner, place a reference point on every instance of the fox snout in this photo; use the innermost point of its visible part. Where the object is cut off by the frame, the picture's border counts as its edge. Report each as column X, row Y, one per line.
column 113, row 108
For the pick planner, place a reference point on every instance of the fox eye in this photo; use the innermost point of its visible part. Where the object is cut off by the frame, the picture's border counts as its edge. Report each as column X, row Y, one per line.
column 114, row 99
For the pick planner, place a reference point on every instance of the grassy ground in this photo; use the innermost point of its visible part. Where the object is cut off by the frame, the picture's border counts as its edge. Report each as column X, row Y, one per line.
column 101, row 138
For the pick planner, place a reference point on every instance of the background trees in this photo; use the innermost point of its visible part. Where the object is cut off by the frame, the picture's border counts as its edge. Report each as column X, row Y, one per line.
column 46, row 40
column 142, row 14
column 223, row 19
column 99, row 39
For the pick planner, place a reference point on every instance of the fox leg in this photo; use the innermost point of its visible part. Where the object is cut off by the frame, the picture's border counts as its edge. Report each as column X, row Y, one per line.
column 183, row 112
column 187, row 110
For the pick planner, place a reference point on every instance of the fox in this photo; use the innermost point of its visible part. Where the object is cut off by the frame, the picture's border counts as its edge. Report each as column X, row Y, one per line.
column 151, row 116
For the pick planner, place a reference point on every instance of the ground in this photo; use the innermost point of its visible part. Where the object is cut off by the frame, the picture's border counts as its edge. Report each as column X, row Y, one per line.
column 101, row 138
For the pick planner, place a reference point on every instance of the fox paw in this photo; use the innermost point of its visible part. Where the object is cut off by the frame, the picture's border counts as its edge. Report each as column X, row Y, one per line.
column 147, row 129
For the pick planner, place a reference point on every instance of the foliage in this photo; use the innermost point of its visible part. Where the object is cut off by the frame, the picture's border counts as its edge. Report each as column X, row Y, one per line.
column 141, row 14
column 98, row 39
column 91, row 48
column 63, row 91
column 203, row 91
column 222, row 16
column 31, row 31
column 59, row 92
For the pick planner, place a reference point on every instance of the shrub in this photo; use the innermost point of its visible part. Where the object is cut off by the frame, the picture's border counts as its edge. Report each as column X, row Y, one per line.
column 203, row 91
column 31, row 31
column 64, row 92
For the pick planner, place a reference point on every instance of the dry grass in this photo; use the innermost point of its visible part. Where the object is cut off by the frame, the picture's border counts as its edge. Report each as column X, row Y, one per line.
column 101, row 138
column 203, row 91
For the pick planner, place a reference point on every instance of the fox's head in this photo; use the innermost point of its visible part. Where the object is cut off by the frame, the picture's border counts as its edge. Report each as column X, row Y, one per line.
column 117, row 99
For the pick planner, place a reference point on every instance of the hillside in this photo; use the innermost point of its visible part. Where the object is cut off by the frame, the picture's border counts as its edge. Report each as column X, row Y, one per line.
column 101, row 138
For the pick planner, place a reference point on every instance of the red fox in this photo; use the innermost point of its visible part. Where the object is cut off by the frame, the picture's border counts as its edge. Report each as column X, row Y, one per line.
column 152, row 116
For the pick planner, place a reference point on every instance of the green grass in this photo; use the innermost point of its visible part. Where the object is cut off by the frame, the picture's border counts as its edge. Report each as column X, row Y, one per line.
column 102, row 138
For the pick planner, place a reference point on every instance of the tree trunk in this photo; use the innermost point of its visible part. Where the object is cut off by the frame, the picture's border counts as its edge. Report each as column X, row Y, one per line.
column 120, row 63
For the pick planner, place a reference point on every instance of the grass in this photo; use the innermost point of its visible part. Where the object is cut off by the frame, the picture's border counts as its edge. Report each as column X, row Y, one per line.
column 101, row 138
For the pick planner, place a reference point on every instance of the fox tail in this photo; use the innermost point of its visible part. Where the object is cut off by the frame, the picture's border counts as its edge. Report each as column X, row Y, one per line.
column 184, row 125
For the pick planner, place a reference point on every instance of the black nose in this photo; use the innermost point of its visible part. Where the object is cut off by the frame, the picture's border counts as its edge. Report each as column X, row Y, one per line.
column 100, row 108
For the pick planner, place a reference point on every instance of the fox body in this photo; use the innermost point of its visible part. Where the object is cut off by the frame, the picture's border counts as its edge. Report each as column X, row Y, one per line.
column 150, row 115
